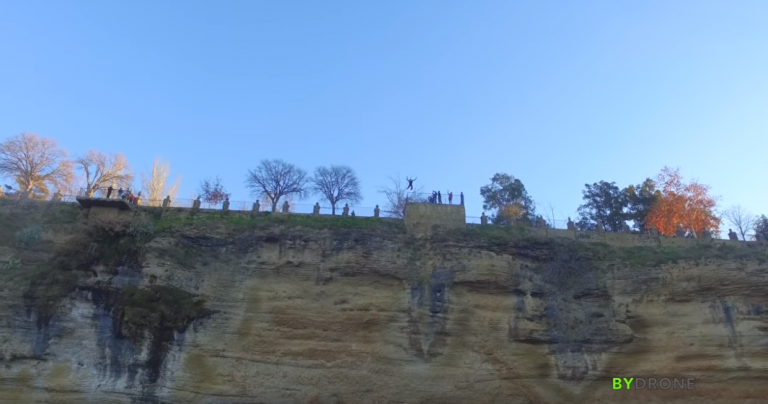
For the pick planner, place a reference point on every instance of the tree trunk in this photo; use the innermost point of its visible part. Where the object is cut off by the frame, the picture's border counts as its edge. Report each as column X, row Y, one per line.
column 333, row 209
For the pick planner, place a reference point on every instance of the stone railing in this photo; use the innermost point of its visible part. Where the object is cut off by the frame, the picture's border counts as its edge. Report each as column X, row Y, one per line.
column 558, row 227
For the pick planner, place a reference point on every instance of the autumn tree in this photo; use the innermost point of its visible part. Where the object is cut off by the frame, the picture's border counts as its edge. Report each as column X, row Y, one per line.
column 102, row 170
column 398, row 196
column 686, row 205
column 604, row 202
column 508, row 197
column 741, row 219
column 212, row 191
column 276, row 179
column 640, row 200
column 37, row 164
column 336, row 184
column 155, row 184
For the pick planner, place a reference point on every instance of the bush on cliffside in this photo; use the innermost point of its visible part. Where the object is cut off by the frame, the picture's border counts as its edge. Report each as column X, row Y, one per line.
column 157, row 308
column 109, row 242
column 29, row 236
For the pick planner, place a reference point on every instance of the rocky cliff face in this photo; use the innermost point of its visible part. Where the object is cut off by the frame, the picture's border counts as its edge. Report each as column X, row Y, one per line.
column 361, row 312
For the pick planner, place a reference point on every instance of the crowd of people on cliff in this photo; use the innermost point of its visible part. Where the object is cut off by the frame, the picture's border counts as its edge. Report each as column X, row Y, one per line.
column 124, row 194
column 437, row 196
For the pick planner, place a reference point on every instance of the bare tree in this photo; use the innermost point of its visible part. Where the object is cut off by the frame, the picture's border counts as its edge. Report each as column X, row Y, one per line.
column 102, row 170
column 35, row 163
column 549, row 214
column 336, row 184
column 741, row 219
column 398, row 197
column 154, row 185
column 212, row 192
column 276, row 179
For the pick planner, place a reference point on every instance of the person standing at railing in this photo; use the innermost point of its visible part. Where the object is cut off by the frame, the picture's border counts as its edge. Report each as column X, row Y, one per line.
column 109, row 191
column 120, row 193
column 462, row 198
column 439, row 198
column 450, row 197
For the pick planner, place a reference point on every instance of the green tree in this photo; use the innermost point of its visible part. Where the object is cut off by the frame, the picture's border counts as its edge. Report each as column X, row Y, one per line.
column 761, row 227
column 641, row 199
column 508, row 197
column 603, row 201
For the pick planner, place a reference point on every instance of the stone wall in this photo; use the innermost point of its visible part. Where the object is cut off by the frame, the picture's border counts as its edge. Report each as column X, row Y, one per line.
column 423, row 217
column 630, row 239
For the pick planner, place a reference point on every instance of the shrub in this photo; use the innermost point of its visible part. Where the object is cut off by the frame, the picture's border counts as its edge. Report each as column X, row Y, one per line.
column 29, row 236
column 141, row 230
column 13, row 263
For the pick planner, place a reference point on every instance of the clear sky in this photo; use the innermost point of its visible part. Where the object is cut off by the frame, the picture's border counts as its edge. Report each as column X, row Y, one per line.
column 556, row 93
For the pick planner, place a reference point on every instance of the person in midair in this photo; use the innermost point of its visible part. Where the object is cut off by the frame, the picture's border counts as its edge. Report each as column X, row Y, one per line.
column 450, row 197
column 410, row 183
column 439, row 198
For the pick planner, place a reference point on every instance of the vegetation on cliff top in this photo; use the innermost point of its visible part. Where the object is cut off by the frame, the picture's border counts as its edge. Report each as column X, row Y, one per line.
column 265, row 220
column 518, row 239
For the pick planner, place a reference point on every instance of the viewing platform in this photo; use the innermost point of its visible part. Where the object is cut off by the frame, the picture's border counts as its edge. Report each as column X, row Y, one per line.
column 119, row 204
column 105, row 208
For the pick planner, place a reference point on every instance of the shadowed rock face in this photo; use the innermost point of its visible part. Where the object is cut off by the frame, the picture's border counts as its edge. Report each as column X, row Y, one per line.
column 563, row 303
column 307, row 316
column 428, row 315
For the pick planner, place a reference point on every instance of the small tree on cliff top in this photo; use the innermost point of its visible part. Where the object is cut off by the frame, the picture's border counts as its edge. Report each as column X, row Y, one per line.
column 604, row 202
column 680, row 204
column 212, row 191
column 336, row 184
column 398, row 196
column 508, row 196
column 37, row 163
column 102, row 170
column 741, row 219
column 276, row 179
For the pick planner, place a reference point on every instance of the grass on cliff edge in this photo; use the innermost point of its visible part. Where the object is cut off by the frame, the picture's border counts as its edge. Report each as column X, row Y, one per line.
column 505, row 239
column 16, row 215
column 266, row 220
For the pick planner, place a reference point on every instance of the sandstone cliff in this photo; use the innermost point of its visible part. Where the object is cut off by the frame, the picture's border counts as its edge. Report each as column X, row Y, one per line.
column 231, row 309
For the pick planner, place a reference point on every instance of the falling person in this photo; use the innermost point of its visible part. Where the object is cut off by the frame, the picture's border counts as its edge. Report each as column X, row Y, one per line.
column 410, row 183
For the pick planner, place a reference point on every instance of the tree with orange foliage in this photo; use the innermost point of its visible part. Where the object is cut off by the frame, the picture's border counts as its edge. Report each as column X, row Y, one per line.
column 686, row 205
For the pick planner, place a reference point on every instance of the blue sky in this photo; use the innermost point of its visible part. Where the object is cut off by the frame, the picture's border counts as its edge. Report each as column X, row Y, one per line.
column 558, row 94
